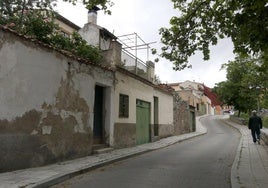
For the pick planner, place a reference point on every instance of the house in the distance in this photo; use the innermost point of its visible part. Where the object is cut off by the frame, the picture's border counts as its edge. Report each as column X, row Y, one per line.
column 199, row 96
column 66, row 26
column 216, row 104
column 193, row 94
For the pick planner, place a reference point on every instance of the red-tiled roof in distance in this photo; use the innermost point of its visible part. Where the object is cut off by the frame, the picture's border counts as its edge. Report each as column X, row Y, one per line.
column 212, row 96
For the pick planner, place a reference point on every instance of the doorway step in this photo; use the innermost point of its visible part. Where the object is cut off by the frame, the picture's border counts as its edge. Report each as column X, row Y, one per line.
column 101, row 148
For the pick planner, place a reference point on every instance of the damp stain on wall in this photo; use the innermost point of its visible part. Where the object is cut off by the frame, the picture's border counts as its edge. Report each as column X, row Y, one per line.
column 54, row 132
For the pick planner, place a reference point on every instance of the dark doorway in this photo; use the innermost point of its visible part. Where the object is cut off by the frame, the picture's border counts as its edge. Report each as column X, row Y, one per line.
column 98, row 115
column 156, row 116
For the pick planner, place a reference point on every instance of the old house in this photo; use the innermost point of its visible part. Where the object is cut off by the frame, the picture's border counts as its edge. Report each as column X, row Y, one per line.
column 47, row 102
column 66, row 26
column 138, row 103
column 194, row 94
column 56, row 106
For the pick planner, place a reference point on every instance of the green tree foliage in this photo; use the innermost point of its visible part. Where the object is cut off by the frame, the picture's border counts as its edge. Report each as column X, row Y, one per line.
column 201, row 23
column 89, row 4
column 35, row 19
column 245, row 85
column 28, row 17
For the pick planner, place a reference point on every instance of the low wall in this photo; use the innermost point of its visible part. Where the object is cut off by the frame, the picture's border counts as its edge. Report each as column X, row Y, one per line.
column 238, row 120
column 264, row 135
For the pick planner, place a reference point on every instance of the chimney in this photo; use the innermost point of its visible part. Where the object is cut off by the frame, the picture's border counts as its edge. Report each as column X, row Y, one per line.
column 92, row 15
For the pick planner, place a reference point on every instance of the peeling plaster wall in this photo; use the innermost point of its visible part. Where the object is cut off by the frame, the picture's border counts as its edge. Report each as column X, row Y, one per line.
column 46, row 104
column 20, row 72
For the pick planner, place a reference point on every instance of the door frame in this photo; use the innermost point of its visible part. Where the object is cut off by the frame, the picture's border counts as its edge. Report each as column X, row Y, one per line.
column 146, row 139
column 99, row 119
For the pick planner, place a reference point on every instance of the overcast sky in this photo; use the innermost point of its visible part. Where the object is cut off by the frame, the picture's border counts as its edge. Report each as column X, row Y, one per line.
column 146, row 17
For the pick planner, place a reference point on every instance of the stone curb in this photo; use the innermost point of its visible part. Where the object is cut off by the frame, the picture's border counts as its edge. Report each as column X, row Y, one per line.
column 63, row 177
column 234, row 169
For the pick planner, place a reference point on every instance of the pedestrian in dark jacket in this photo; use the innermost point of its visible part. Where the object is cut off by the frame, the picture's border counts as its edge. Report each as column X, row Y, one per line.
column 255, row 124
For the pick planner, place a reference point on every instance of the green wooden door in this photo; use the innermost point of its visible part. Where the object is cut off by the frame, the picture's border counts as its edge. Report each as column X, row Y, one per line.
column 142, row 122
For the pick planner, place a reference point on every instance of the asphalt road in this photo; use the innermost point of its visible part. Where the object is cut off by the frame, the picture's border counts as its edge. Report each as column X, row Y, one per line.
column 200, row 162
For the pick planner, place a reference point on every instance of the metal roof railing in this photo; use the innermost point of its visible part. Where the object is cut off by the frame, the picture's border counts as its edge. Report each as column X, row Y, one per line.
column 131, row 46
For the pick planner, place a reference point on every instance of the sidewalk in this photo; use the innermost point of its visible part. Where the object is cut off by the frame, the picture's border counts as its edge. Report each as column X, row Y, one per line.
column 250, row 168
column 51, row 174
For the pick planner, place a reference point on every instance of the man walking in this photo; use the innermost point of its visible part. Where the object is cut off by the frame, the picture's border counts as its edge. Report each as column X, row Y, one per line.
column 255, row 124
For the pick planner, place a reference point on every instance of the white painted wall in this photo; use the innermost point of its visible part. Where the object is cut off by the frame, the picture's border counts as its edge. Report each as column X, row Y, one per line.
column 91, row 33
column 165, row 107
column 136, row 89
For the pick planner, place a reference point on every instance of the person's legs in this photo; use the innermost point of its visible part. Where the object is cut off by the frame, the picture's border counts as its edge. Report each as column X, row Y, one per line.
column 258, row 133
column 253, row 133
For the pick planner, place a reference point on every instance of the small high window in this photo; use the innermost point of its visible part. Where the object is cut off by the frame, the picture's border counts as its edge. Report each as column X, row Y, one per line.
column 123, row 106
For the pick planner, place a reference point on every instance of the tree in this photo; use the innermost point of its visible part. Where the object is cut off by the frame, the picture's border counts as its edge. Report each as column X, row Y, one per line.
column 17, row 13
column 28, row 16
column 201, row 23
column 89, row 4
column 245, row 84
column 230, row 94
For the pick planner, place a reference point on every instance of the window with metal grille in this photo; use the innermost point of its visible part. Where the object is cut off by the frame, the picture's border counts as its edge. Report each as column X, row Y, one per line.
column 123, row 106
